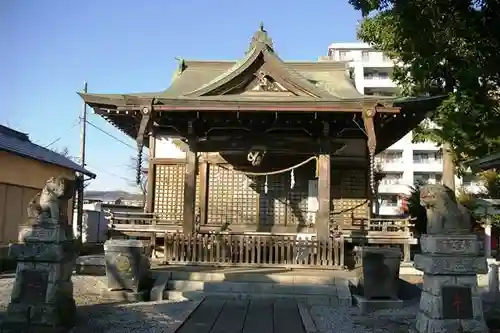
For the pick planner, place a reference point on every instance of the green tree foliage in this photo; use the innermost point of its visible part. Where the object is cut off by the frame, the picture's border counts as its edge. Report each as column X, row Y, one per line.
column 447, row 47
column 417, row 211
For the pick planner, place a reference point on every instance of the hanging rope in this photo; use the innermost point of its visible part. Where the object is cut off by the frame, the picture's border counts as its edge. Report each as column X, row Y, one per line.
column 139, row 165
column 277, row 172
column 372, row 172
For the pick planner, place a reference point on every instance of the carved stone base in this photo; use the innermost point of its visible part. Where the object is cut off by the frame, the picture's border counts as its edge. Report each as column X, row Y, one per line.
column 42, row 295
column 450, row 300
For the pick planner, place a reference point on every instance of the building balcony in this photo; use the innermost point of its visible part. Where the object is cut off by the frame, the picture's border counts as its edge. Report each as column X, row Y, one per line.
column 375, row 82
column 435, row 166
column 394, row 188
column 392, row 165
column 425, row 146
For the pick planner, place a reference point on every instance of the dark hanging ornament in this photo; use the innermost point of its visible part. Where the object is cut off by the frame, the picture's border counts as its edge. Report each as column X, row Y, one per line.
column 139, row 165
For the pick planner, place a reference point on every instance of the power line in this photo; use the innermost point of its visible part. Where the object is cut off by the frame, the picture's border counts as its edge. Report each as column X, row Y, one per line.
column 111, row 135
column 65, row 132
column 110, row 173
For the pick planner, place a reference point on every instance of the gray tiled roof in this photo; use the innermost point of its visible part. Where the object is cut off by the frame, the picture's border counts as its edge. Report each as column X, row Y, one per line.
column 20, row 144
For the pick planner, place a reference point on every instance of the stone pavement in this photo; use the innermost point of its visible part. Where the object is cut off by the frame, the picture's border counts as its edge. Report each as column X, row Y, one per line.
column 244, row 315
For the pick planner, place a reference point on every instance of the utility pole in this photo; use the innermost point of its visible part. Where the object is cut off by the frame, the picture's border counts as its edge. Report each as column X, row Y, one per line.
column 83, row 137
column 83, row 132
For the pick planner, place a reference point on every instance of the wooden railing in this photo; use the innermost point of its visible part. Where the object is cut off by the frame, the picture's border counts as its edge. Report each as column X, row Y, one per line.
column 393, row 225
column 253, row 250
column 130, row 222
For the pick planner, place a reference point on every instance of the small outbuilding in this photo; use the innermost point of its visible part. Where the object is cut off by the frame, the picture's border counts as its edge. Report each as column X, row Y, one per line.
column 24, row 169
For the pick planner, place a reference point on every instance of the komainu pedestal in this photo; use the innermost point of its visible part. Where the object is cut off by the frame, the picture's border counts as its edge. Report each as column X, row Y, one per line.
column 451, row 259
column 42, row 296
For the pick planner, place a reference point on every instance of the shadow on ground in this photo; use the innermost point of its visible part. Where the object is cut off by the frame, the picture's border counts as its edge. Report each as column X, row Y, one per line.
column 164, row 316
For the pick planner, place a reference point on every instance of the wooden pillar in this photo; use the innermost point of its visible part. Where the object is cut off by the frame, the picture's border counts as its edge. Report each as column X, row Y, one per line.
column 190, row 184
column 204, row 176
column 371, row 142
column 190, row 193
column 323, row 215
column 151, row 175
column 324, row 181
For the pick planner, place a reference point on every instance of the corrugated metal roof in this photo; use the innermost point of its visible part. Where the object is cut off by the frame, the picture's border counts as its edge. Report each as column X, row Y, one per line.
column 19, row 143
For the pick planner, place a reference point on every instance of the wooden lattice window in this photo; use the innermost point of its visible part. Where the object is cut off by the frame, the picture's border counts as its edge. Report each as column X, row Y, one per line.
column 232, row 197
column 169, row 191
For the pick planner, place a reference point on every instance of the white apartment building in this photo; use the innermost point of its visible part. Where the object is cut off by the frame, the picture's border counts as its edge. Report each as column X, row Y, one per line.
column 404, row 163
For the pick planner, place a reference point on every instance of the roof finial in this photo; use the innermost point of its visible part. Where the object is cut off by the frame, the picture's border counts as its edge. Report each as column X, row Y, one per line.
column 261, row 36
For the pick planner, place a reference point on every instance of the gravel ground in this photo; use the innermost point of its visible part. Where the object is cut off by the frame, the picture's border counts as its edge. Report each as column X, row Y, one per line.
column 339, row 320
column 104, row 316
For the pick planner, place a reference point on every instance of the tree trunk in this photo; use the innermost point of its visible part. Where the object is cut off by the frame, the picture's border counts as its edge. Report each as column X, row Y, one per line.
column 448, row 167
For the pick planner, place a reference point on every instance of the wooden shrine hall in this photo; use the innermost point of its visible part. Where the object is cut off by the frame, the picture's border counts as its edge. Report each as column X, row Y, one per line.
column 272, row 163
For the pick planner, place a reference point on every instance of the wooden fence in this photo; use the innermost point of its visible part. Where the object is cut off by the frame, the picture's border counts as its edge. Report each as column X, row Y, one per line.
column 253, row 250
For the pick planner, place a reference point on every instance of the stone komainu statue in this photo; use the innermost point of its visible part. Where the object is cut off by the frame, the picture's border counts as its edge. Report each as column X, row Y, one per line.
column 444, row 214
column 50, row 205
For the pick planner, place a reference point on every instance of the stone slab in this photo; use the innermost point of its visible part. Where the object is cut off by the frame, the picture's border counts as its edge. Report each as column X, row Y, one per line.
column 450, row 265
column 467, row 245
column 125, row 295
column 369, row 305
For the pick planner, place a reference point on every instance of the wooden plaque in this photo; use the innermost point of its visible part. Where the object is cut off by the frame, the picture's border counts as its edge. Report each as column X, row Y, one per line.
column 457, row 302
column 34, row 286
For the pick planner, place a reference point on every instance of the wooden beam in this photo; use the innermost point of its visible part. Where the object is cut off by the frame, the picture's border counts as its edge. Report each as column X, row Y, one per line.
column 270, row 143
column 257, row 106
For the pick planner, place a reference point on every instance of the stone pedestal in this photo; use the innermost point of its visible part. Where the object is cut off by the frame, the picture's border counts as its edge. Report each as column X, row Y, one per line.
column 42, row 296
column 377, row 277
column 450, row 301
column 127, row 269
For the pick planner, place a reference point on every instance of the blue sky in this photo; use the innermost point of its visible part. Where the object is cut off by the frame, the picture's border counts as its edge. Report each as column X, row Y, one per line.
column 50, row 47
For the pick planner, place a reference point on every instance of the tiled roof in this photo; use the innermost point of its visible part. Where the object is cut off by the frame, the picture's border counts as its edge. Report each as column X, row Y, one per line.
column 19, row 143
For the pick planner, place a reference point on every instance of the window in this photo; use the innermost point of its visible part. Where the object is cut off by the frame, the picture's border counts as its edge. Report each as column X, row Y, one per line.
column 427, row 178
column 383, row 75
column 392, row 157
column 365, row 56
column 389, row 200
column 426, row 157
column 330, row 53
column 392, row 179
column 342, row 55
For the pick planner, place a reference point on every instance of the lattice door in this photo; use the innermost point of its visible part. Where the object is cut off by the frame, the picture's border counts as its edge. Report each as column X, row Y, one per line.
column 297, row 203
column 273, row 204
column 231, row 197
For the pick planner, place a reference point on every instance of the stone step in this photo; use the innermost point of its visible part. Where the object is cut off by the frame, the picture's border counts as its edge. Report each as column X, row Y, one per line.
column 249, row 276
column 310, row 299
column 252, row 287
